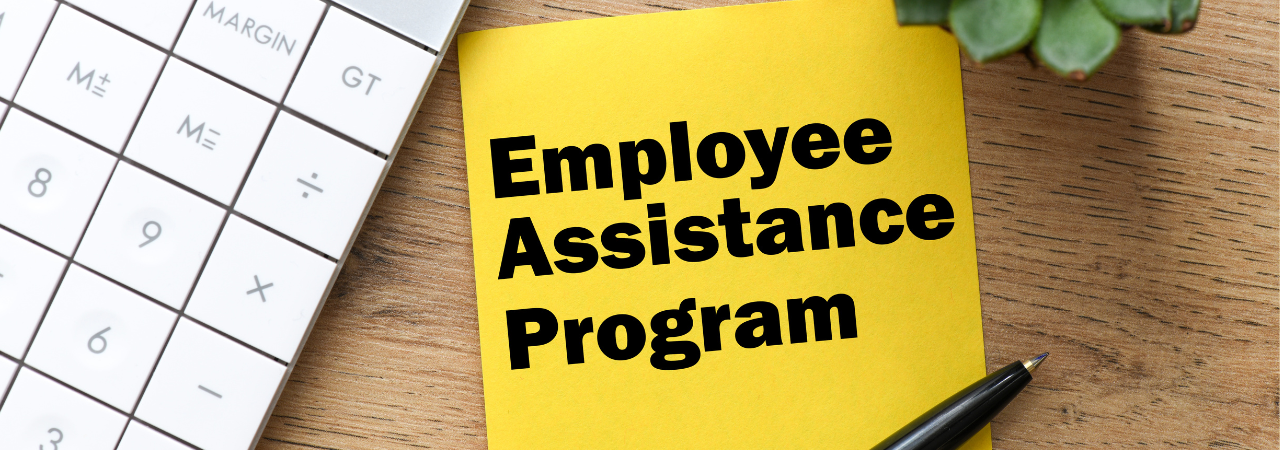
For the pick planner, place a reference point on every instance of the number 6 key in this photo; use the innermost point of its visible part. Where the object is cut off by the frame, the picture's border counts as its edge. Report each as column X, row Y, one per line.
column 100, row 338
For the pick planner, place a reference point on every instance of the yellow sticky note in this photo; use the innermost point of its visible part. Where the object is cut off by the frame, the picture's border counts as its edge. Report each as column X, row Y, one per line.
column 743, row 227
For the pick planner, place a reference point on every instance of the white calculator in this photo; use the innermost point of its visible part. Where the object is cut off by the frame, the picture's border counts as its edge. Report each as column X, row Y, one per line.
column 180, row 182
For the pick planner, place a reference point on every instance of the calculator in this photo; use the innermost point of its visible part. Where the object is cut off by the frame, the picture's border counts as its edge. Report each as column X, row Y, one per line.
column 180, row 184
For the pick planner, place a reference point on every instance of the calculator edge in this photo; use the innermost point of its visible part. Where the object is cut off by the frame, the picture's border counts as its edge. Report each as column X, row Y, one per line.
column 404, row 131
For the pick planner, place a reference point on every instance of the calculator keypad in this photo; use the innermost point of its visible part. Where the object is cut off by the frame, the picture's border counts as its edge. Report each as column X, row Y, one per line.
column 90, row 78
column 8, row 369
column 150, row 235
column 157, row 21
column 22, row 25
column 179, row 181
column 28, row 275
column 141, row 437
column 260, row 288
column 208, row 390
column 40, row 412
column 364, row 94
column 309, row 184
column 200, row 131
column 101, row 339
column 50, row 182
column 255, row 43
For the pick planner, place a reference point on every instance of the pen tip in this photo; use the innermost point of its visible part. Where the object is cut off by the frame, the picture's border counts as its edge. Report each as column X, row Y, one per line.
column 1033, row 363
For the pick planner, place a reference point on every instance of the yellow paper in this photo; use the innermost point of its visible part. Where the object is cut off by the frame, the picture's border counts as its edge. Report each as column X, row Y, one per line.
column 758, row 67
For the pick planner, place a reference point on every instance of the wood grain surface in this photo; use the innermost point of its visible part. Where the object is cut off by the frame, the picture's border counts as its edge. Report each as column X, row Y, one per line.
column 1128, row 225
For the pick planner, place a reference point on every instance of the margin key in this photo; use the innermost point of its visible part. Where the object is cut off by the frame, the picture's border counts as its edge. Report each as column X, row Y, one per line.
column 256, row 43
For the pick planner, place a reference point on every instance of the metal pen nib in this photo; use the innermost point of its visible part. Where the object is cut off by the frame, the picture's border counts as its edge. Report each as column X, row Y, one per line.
column 1032, row 363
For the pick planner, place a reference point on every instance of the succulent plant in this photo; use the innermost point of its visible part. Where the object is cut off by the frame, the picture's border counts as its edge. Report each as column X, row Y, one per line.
column 1072, row 37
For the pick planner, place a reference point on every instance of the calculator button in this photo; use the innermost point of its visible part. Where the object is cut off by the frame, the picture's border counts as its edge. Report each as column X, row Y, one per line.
column 141, row 437
column 90, row 78
column 210, row 391
column 157, row 21
column 40, row 412
column 428, row 22
column 310, row 185
column 150, row 235
column 260, row 288
column 22, row 25
column 360, row 80
column 8, row 369
column 28, row 275
column 100, row 338
column 50, row 182
column 200, row 131
column 256, row 43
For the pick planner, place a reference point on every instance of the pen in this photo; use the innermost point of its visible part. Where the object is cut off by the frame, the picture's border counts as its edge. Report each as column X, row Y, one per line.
column 958, row 418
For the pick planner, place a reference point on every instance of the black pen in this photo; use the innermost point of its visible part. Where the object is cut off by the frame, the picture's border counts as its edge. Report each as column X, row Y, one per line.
column 958, row 418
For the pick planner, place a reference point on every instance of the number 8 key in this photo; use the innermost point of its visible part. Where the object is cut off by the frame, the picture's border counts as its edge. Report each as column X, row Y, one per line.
column 49, row 181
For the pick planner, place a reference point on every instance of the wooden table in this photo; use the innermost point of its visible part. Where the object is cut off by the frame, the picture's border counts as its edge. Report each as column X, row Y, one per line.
column 1127, row 225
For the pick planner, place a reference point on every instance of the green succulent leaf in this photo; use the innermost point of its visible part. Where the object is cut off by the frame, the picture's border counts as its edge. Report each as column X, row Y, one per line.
column 1136, row 12
column 990, row 29
column 922, row 12
column 1183, row 14
column 1075, row 38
